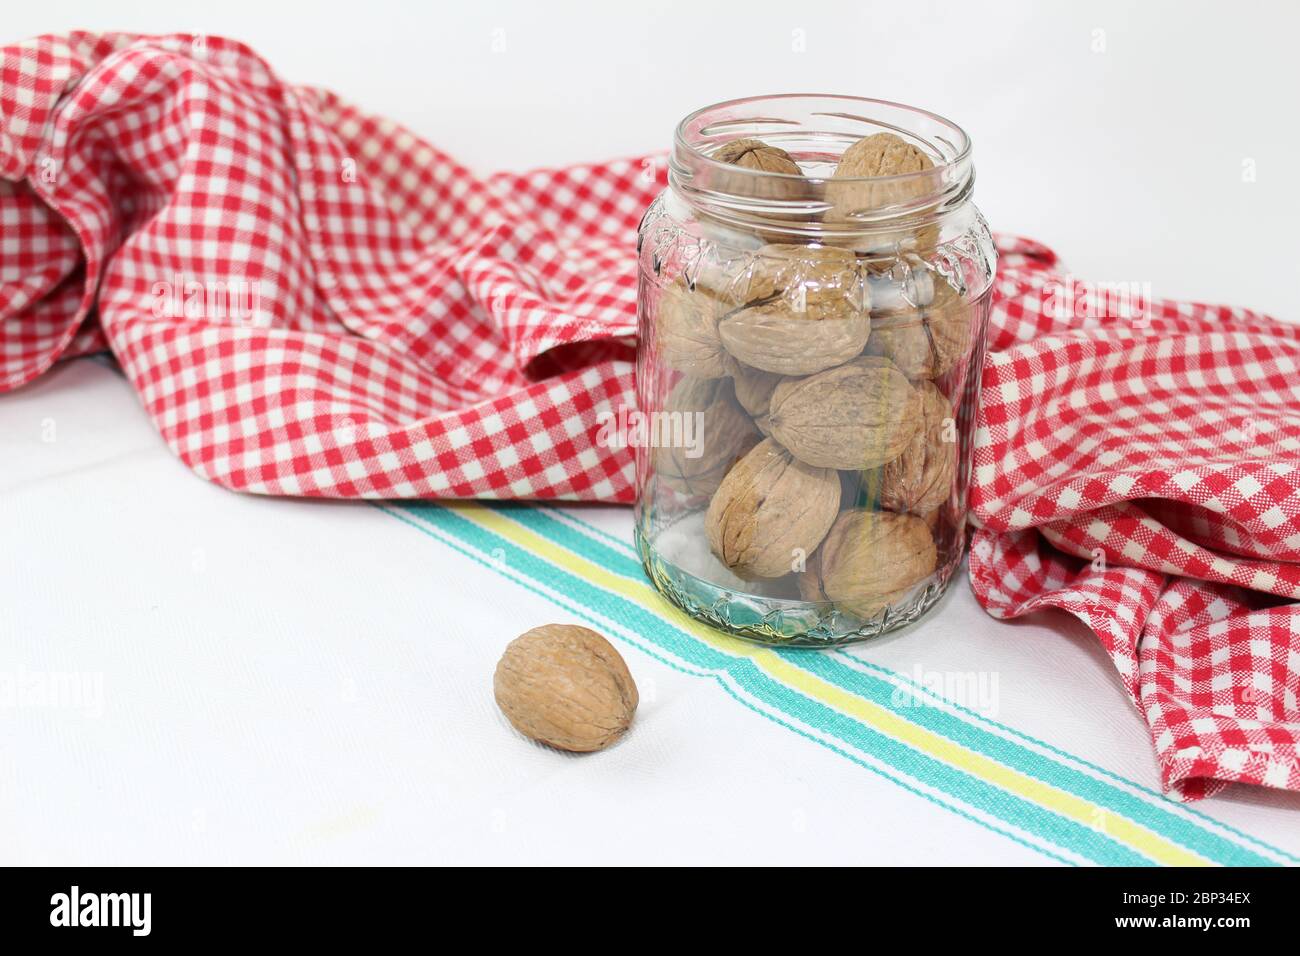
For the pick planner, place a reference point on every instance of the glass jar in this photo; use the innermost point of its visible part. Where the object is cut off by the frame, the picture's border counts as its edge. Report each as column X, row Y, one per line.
column 812, row 305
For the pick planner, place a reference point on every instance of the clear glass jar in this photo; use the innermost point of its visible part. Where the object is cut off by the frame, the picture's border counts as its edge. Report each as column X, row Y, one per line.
column 812, row 324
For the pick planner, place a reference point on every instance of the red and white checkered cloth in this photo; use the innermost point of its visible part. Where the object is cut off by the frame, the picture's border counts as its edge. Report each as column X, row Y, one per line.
column 312, row 301
column 401, row 327
column 1143, row 473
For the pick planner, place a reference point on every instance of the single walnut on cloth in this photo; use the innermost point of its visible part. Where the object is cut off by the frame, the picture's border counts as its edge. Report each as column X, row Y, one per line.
column 567, row 687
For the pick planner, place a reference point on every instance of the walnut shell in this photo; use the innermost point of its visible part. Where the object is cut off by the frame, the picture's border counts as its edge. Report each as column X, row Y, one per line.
column 686, row 331
column 820, row 282
column 721, row 433
column 857, row 416
column 756, row 154
column 770, row 511
column 759, row 156
column 869, row 560
column 723, row 276
column 753, row 386
column 773, row 339
column 565, row 686
column 905, row 285
column 880, row 156
column 920, row 479
column 927, row 342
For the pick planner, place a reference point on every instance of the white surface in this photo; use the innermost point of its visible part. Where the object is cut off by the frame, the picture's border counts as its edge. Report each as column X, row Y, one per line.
column 310, row 682
column 289, row 681
column 1128, row 162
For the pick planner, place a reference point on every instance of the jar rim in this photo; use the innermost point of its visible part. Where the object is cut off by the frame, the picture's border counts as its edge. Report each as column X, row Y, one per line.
column 816, row 129
column 961, row 155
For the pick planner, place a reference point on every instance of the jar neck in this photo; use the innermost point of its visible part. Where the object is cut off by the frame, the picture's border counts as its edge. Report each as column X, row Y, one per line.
column 814, row 131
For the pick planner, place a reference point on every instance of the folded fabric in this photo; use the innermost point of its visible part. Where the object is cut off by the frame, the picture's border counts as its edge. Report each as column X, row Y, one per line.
column 312, row 301
column 309, row 300
column 1137, row 463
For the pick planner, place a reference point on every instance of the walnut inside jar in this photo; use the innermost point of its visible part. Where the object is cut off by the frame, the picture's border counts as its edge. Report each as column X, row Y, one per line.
column 706, row 412
column 751, row 153
column 771, row 338
column 875, row 176
column 753, row 386
column 806, row 310
column 758, row 156
column 881, row 156
column 814, row 280
column 856, row 416
column 770, row 512
column 870, row 560
column 920, row 479
column 686, row 330
column 928, row 341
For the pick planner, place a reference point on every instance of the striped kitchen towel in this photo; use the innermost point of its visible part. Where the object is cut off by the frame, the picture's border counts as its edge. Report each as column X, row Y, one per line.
column 882, row 721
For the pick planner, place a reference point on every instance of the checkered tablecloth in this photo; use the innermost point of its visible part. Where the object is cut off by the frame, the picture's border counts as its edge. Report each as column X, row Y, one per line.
column 1141, row 471
column 311, row 301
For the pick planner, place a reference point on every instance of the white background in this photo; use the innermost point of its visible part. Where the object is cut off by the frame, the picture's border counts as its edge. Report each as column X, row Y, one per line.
column 1128, row 161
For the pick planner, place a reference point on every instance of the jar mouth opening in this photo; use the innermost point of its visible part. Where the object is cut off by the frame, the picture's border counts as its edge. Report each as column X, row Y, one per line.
column 711, row 125
column 815, row 130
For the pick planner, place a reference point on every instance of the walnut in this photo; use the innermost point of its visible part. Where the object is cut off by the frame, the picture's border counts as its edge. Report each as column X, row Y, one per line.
column 920, row 479
column 925, row 342
column 870, row 560
column 774, row 339
column 753, row 386
column 770, row 511
column 880, row 156
column 821, row 282
column 867, row 180
column 721, row 430
column 754, row 154
column 686, row 330
column 565, row 686
column 856, row 416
